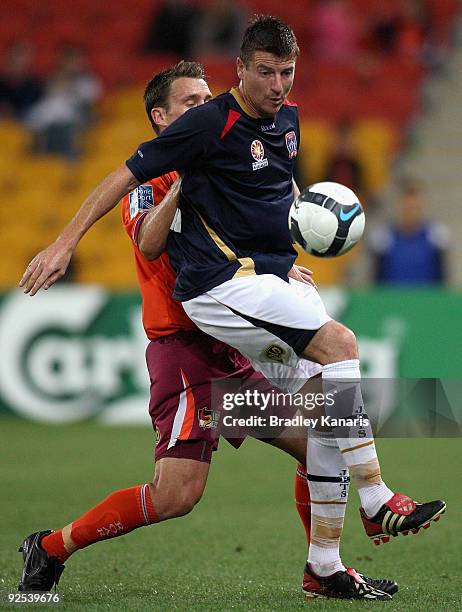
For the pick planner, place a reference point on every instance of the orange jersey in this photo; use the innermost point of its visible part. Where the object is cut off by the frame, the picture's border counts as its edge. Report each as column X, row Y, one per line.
column 162, row 315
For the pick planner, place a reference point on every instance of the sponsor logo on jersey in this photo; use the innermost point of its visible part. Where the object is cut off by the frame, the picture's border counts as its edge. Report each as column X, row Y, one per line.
column 157, row 432
column 268, row 128
column 257, row 150
column 141, row 198
column 208, row 418
column 276, row 353
column 258, row 153
column 291, row 144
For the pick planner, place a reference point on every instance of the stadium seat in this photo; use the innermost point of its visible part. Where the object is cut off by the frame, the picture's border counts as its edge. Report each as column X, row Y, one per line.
column 111, row 264
column 220, row 72
column 48, row 171
column 376, row 143
column 11, row 269
column 14, row 138
column 327, row 271
column 44, row 192
column 147, row 65
column 316, row 141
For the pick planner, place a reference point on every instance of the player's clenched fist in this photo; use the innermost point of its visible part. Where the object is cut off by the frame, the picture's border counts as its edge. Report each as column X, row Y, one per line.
column 46, row 267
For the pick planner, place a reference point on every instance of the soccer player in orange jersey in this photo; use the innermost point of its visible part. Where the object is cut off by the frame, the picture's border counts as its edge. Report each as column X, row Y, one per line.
column 181, row 360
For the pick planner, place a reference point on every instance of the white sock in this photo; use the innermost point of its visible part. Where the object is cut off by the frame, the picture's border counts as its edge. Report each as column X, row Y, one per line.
column 328, row 481
column 356, row 443
column 324, row 561
column 373, row 497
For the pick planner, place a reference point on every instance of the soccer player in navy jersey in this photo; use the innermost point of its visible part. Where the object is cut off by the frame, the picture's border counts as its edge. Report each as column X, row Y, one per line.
column 232, row 255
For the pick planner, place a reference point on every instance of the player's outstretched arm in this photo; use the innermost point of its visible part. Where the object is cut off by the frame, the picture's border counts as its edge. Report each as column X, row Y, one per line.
column 50, row 264
column 153, row 234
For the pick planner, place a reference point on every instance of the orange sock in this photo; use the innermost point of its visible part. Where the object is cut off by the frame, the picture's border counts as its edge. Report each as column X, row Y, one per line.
column 117, row 515
column 302, row 500
column 53, row 544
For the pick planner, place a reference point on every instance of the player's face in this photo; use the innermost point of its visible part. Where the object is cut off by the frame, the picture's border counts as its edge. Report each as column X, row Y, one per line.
column 185, row 93
column 266, row 82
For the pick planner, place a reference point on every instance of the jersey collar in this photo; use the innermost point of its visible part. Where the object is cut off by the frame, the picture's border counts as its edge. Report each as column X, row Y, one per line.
column 240, row 100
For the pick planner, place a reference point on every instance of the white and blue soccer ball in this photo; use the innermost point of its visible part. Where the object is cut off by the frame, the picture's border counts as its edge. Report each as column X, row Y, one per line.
column 326, row 219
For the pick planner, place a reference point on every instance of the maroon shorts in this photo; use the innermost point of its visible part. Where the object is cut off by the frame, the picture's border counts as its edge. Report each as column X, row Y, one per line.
column 182, row 367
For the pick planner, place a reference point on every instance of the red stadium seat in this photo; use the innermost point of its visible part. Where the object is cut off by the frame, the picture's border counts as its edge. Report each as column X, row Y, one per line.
column 220, row 72
column 146, row 66
column 114, row 68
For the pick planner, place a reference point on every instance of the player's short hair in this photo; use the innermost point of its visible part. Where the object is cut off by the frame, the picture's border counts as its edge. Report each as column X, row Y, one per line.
column 158, row 89
column 270, row 34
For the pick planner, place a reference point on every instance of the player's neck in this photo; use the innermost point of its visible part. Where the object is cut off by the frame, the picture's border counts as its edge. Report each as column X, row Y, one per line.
column 248, row 106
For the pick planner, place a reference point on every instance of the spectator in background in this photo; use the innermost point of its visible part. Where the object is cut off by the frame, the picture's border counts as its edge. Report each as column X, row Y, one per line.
column 335, row 34
column 219, row 28
column 55, row 120
column 20, row 88
column 400, row 30
column 172, row 29
column 59, row 118
column 344, row 165
column 86, row 86
column 412, row 250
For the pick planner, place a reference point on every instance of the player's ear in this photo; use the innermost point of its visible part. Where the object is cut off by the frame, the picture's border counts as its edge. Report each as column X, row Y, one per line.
column 240, row 66
column 158, row 115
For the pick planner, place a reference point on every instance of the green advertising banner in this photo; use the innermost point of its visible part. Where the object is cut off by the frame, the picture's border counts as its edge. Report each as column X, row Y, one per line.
column 422, row 327
column 77, row 352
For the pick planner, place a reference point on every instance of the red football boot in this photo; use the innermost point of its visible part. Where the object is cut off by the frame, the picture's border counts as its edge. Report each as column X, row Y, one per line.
column 347, row 585
column 401, row 514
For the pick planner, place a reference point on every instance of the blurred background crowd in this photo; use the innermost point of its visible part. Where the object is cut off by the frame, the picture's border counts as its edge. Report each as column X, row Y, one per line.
column 377, row 91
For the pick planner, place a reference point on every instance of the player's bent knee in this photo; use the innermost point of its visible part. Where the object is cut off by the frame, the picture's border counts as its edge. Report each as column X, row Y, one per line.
column 183, row 502
column 332, row 343
column 347, row 343
column 177, row 500
column 178, row 485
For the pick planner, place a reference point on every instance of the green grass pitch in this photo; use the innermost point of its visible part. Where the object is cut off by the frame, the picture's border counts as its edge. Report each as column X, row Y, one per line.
column 243, row 546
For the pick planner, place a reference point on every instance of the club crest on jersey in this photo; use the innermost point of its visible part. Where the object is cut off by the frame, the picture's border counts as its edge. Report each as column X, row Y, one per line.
column 208, row 418
column 275, row 353
column 258, row 153
column 291, row 144
column 141, row 198
column 157, row 431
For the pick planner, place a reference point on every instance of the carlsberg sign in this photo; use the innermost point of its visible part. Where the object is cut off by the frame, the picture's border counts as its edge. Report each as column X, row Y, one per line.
column 73, row 353
column 78, row 352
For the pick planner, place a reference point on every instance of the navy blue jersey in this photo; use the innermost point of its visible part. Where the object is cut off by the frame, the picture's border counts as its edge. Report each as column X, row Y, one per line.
column 236, row 191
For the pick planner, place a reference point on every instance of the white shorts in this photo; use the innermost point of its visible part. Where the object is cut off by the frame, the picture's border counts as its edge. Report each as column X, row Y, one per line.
column 267, row 320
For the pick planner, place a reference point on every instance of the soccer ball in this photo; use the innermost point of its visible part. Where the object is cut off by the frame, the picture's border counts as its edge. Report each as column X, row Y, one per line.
column 326, row 219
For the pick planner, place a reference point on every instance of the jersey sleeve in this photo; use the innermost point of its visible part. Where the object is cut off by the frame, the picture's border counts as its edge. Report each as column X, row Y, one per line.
column 132, row 215
column 180, row 146
column 137, row 204
column 297, row 119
